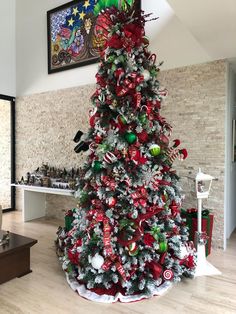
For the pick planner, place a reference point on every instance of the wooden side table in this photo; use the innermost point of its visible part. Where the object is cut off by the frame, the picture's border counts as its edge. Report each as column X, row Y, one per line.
column 15, row 257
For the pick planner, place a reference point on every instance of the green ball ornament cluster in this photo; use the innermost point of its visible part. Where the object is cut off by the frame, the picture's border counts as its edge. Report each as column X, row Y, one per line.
column 130, row 137
column 155, row 150
column 97, row 166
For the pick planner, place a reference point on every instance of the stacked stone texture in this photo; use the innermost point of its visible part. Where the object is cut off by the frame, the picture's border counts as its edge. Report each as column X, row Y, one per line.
column 195, row 106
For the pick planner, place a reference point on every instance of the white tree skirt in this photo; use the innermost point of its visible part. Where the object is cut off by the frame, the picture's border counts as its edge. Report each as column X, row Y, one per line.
column 105, row 298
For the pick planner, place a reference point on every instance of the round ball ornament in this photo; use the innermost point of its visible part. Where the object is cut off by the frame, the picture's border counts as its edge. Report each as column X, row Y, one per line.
column 145, row 41
column 97, row 166
column 133, row 249
column 163, row 247
column 143, row 136
column 130, row 137
column 97, row 261
column 168, row 274
column 146, row 75
column 109, row 158
column 182, row 253
column 111, row 201
column 155, row 150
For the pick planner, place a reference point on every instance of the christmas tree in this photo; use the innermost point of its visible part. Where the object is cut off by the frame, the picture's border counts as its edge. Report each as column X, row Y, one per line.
column 126, row 240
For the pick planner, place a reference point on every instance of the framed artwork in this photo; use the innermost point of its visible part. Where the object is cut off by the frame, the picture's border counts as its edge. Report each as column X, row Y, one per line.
column 72, row 41
column 72, row 38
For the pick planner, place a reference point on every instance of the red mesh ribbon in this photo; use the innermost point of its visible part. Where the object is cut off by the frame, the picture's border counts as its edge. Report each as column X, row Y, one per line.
column 109, row 182
column 114, row 259
column 107, row 237
column 129, row 84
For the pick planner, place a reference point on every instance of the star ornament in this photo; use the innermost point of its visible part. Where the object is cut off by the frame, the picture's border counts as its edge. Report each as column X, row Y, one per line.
column 82, row 15
column 75, row 11
column 71, row 22
column 86, row 4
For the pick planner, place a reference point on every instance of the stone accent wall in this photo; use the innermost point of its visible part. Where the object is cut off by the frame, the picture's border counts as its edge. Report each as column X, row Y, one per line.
column 195, row 106
column 5, row 154
column 45, row 127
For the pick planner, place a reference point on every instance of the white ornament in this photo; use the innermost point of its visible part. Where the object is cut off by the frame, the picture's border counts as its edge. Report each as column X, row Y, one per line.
column 183, row 252
column 146, row 75
column 97, row 261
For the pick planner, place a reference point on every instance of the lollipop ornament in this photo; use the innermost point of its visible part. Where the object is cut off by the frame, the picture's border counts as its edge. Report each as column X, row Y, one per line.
column 203, row 186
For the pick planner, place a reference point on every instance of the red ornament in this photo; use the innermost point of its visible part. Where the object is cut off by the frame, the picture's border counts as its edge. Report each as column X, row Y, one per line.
column 98, row 139
column 111, row 201
column 143, row 136
column 156, row 269
column 148, row 239
column 115, row 42
column 73, row 256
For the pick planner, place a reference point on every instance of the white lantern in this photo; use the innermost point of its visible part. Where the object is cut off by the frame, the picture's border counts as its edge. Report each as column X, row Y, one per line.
column 203, row 185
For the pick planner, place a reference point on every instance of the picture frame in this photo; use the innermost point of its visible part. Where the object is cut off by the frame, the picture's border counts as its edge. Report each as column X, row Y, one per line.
column 72, row 38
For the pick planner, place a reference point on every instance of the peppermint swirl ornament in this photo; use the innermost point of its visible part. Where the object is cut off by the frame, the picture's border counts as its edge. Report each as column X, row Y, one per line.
column 168, row 274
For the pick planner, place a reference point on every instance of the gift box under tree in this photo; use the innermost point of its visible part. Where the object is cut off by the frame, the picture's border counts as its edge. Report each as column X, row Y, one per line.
column 207, row 225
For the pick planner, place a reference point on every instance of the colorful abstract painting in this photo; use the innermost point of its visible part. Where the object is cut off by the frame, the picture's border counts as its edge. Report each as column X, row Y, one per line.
column 72, row 39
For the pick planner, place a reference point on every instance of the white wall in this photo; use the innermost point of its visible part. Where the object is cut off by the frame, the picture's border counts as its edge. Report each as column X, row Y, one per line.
column 169, row 39
column 8, row 50
column 230, row 178
column 31, row 43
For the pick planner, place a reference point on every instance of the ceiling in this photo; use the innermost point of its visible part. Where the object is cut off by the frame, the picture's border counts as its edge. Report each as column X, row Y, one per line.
column 189, row 31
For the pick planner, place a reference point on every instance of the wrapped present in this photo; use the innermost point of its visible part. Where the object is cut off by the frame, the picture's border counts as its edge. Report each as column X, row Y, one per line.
column 207, row 225
column 69, row 218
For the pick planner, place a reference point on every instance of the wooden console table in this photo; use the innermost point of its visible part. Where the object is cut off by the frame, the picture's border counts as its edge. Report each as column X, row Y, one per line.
column 34, row 200
column 15, row 257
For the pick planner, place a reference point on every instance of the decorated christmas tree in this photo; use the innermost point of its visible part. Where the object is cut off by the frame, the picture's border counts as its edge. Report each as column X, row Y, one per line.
column 126, row 240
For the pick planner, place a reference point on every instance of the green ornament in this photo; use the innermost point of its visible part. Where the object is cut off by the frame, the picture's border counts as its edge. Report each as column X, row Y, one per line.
column 142, row 117
column 113, row 68
column 83, row 197
column 97, row 165
column 130, row 137
column 111, row 58
column 155, row 150
column 122, row 120
column 153, row 72
column 103, row 147
column 155, row 232
column 121, row 59
column 163, row 247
